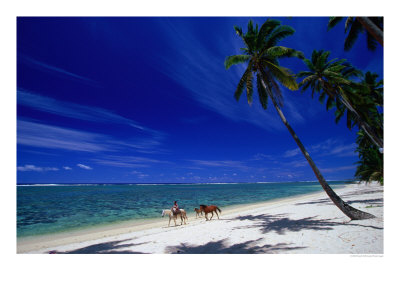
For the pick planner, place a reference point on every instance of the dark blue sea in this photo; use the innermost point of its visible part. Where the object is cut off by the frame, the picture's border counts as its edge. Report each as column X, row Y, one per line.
column 46, row 209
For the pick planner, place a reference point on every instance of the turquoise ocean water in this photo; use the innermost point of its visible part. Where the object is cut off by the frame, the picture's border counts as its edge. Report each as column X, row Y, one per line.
column 45, row 209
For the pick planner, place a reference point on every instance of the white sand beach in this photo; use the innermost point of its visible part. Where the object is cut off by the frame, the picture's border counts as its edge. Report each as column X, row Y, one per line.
column 309, row 224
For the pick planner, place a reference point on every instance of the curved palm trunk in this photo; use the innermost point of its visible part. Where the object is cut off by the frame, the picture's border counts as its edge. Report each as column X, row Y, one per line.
column 351, row 212
column 373, row 30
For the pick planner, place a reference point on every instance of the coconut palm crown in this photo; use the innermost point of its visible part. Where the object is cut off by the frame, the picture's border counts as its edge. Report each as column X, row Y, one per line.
column 262, row 55
column 332, row 80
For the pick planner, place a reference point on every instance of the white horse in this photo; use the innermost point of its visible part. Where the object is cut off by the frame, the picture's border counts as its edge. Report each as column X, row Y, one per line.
column 182, row 214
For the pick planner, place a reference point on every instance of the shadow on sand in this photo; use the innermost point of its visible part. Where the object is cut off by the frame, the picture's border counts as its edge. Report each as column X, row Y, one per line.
column 281, row 224
column 104, row 248
column 327, row 201
column 222, row 247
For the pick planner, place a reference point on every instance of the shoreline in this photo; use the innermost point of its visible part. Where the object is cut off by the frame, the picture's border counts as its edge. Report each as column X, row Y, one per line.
column 44, row 241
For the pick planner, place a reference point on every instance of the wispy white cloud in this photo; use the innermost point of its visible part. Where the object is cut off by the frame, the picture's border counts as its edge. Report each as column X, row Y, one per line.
column 144, row 145
column 35, row 168
column 329, row 147
column 336, row 169
column 334, row 147
column 344, row 150
column 77, row 111
column 119, row 164
column 67, row 168
column 261, row 156
column 139, row 174
column 203, row 67
column 240, row 165
column 50, row 68
column 84, row 167
column 292, row 153
column 53, row 137
column 128, row 161
column 39, row 135
column 299, row 163
column 146, row 140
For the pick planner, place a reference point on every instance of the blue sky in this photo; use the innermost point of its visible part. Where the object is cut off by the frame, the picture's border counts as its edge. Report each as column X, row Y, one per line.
column 148, row 100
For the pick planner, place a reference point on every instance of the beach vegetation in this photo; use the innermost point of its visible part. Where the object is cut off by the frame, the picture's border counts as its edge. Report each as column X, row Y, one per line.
column 372, row 26
column 261, row 53
column 370, row 164
column 332, row 79
column 361, row 102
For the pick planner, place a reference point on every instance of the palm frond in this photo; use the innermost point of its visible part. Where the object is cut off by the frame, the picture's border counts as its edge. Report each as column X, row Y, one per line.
column 338, row 115
column 262, row 93
column 322, row 59
column 304, row 74
column 309, row 64
column 322, row 97
column 238, row 31
column 266, row 28
column 283, row 75
column 315, row 54
column 249, row 87
column 337, row 77
column 272, row 87
column 280, row 51
column 335, row 68
column 329, row 63
column 371, row 42
column 350, row 71
column 352, row 36
column 242, row 82
column 305, row 85
column 330, row 102
column 349, row 120
column 333, row 21
column 307, row 81
column 250, row 28
column 312, row 88
column 245, row 39
column 348, row 23
column 235, row 59
column 278, row 34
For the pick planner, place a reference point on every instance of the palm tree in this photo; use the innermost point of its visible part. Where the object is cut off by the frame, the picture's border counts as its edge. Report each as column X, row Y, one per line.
column 262, row 54
column 368, row 97
column 373, row 88
column 356, row 25
column 370, row 165
column 332, row 80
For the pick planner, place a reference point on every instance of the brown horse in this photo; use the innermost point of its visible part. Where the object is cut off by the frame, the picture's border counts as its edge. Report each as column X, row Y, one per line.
column 198, row 212
column 210, row 209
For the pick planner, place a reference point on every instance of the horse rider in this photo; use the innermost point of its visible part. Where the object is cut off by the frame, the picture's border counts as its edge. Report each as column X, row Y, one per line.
column 175, row 208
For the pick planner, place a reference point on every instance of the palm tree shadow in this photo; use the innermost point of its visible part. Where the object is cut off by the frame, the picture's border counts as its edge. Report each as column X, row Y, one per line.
column 327, row 201
column 315, row 202
column 377, row 202
column 105, row 248
column 281, row 224
column 222, row 247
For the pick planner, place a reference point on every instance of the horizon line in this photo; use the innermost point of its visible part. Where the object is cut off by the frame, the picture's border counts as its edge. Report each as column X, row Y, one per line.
column 183, row 183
